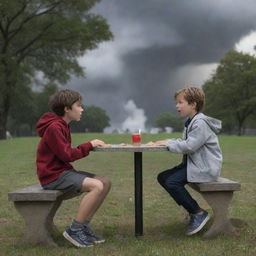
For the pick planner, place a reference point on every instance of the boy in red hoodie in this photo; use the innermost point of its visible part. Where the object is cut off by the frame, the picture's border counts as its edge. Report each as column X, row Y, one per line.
column 54, row 170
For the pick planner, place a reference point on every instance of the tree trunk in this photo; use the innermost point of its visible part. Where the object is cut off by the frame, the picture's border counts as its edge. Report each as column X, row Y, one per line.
column 4, row 111
column 3, row 123
column 241, row 118
column 240, row 131
column 240, row 127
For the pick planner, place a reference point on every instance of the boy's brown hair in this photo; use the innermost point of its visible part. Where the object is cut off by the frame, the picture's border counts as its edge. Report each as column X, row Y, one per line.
column 63, row 98
column 191, row 95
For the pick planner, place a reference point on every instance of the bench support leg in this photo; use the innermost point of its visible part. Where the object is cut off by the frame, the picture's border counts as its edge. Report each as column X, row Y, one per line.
column 38, row 217
column 219, row 202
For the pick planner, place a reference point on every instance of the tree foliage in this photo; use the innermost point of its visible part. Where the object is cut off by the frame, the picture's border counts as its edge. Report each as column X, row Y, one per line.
column 32, row 105
column 43, row 36
column 29, row 106
column 94, row 119
column 231, row 92
column 169, row 120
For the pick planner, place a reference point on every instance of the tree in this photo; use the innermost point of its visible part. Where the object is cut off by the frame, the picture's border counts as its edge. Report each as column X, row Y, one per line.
column 23, row 112
column 169, row 120
column 94, row 119
column 44, row 37
column 33, row 106
column 42, row 99
column 231, row 92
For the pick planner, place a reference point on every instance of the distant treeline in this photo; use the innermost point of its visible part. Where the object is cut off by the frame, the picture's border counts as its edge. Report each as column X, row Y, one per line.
column 31, row 105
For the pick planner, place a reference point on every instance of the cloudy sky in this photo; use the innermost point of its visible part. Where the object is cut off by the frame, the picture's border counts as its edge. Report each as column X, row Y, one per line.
column 160, row 46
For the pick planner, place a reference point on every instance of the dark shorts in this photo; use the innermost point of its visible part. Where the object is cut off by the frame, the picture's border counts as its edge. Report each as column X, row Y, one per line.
column 70, row 180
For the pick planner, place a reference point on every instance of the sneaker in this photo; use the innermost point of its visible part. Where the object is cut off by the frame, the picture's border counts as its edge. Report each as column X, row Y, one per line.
column 78, row 238
column 197, row 222
column 95, row 239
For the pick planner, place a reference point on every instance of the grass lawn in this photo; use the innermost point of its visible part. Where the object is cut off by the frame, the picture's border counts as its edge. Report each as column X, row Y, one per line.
column 163, row 220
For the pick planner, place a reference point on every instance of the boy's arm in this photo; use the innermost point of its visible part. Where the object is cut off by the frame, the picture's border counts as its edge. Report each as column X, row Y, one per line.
column 61, row 147
column 196, row 138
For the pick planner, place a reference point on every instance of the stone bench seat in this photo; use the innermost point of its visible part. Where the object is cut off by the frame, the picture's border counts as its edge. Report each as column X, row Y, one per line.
column 38, row 207
column 218, row 195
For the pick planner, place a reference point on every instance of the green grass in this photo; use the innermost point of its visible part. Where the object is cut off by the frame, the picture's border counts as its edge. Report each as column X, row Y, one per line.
column 163, row 219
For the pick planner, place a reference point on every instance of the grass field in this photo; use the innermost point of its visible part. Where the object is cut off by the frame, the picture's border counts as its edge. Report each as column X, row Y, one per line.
column 163, row 220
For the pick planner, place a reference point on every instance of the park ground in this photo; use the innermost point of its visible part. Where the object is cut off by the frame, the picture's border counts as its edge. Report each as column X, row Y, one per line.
column 163, row 220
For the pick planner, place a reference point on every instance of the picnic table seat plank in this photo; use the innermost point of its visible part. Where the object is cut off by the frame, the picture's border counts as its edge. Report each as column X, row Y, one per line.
column 33, row 193
column 221, row 184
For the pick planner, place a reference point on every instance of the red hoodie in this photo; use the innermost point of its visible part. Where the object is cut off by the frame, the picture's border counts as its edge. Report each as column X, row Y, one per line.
column 54, row 152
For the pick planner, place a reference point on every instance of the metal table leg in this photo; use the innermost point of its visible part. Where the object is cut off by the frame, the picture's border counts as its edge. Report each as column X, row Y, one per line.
column 138, row 194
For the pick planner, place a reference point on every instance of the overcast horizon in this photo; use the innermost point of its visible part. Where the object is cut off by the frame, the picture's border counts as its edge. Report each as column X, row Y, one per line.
column 159, row 47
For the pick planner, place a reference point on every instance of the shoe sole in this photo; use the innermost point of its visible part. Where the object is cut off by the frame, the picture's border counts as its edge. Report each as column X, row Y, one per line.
column 100, row 241
column 74, row 242
column 200, row 227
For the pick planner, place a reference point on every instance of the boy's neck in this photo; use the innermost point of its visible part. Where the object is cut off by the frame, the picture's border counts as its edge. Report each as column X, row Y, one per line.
column 192, row 115
column 189, row 120
column 66, row 119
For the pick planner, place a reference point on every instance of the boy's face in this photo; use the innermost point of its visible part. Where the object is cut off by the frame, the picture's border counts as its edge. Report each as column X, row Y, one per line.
column 75, row 113
column 184, row 108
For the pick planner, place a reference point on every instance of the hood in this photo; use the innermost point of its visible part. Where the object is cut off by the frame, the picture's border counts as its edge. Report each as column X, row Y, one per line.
column 213, row 123
column 46, row 120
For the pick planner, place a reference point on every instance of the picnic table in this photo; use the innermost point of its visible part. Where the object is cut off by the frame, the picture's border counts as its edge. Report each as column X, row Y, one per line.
column 138, row 177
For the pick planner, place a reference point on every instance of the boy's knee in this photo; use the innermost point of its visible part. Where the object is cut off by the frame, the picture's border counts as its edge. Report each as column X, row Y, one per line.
column 167, row 183
column 99, row 186
column 160, row 178
column 108, row 184
column 91, row 184
column 105, row 181
column 172, row 186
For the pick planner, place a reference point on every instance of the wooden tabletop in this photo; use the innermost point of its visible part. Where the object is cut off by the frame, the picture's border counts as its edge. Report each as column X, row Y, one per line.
column 129, row 148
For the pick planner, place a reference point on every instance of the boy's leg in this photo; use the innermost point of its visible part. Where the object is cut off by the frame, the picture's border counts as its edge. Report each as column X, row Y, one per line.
column 97, row 189
column 174, row 181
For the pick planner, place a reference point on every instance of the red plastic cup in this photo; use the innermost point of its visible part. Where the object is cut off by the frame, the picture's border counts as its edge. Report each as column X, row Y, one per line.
column 136, row 139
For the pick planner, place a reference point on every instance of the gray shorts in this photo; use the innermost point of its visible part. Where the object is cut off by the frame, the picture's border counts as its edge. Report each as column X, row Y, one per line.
column 70, row 180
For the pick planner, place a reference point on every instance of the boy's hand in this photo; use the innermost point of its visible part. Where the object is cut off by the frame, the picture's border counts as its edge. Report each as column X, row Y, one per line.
column 160, row 143
column 151, row 143
column 98, row 143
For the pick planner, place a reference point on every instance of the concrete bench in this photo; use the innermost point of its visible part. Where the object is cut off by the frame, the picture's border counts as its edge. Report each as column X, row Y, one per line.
column 218, row 195
column 38, row 207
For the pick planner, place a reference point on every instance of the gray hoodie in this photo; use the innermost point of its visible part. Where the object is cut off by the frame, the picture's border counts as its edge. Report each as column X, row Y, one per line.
column 204, row 157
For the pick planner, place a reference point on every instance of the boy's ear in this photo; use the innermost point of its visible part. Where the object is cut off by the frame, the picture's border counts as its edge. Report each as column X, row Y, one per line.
column 194, row 104
column 66, row 109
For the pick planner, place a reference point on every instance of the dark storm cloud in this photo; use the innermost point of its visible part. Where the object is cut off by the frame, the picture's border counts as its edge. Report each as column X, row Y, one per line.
column 153, row 39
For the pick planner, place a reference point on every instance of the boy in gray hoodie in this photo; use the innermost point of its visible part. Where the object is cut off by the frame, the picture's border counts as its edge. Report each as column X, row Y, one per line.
column 202, row 157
